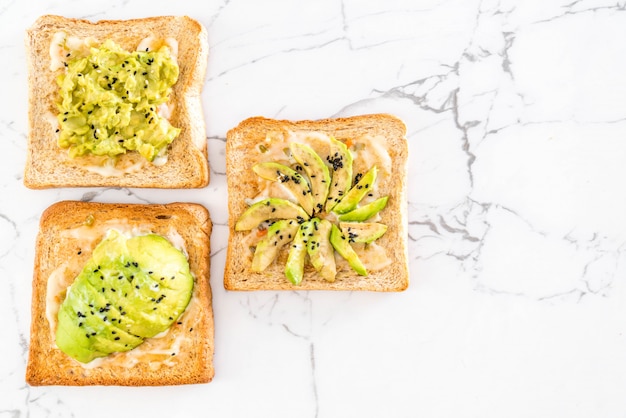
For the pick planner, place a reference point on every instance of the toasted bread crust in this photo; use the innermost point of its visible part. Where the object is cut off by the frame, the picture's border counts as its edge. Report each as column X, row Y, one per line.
column 240, row 157
column 47, row 365
column 47, row 165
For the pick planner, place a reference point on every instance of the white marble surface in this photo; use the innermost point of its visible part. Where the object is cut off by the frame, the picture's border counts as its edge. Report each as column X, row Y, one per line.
column 517, row 211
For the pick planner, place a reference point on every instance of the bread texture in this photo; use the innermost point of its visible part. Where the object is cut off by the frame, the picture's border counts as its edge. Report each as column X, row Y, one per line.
column 69, row 230
column 242, row 153
column 48, row 165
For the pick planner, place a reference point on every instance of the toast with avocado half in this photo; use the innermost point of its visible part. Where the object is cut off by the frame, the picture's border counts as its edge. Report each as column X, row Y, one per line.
column 121, row 296
column 317, row 204
column 116, row 103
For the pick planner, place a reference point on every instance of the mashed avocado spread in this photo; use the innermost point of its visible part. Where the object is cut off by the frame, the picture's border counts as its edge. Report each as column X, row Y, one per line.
column 109, row 101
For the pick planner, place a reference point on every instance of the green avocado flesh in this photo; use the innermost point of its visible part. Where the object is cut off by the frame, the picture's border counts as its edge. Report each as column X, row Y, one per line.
column 366, row 211
column 320, row 251
column 129, row 290
column 109, row 100
column 341, row 244
column 341, row 161
column 267, row 209
column 294, row 268
column 316, row 170
column 351, row 199
column 278, row 234
column 290, row 179
column 362, row 232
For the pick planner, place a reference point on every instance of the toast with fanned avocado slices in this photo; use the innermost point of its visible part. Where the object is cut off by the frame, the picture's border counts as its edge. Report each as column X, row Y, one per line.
column 116, row 103
column 121, row 296
column 317, row 205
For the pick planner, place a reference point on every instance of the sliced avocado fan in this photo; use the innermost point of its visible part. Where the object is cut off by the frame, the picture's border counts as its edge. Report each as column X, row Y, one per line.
column 306, row 222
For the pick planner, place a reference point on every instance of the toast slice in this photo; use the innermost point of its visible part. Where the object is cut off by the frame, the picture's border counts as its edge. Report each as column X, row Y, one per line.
column 48, row 165
column 69, row 231
column 377, row 139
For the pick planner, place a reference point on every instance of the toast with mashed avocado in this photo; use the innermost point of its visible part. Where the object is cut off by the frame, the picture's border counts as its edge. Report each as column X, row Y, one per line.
column 116, row 103
column 317, row 205
column 121, row 296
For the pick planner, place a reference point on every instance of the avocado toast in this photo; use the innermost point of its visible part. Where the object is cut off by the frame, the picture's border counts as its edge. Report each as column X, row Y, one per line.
column 116, row 103
column 121, row 296
column 317, row 205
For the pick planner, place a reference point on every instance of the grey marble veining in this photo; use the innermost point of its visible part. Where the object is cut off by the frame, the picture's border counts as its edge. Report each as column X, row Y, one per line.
column 517, row 234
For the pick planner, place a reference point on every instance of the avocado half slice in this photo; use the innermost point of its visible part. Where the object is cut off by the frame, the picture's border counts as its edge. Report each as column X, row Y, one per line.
column 129, row 290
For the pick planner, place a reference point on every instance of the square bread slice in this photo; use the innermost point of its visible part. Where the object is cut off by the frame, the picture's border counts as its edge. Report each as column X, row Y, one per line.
column 69, row 231
column 377, row 139
column 48, row 165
